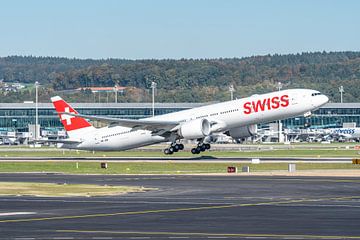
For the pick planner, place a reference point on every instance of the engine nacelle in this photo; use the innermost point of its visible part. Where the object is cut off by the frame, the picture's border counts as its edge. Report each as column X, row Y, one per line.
column 195, row 129
column 243, row 132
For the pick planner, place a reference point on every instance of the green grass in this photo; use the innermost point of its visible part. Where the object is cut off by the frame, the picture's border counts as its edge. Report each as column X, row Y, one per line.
column 63, row 190
column 260, row 153
column 156, row 168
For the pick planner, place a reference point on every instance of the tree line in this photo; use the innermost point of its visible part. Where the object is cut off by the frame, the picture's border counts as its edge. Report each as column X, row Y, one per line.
column 187, row 80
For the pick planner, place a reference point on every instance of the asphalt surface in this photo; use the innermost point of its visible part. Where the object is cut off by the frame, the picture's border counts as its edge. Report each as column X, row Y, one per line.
column 184, row 159
column 189, row 207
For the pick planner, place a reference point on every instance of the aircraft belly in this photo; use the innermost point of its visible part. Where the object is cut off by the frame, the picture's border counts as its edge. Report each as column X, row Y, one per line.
column 128, row 141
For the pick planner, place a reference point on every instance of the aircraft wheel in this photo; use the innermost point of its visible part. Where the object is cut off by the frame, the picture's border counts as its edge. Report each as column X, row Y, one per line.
column 176, row 148
column 207, row 146
column 193, row 150
column 166, row 151
column 181, row 146
column 202, row 147
column 172, row 150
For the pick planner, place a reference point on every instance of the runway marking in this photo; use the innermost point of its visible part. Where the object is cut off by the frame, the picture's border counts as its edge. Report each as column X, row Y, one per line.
column 215, row 235
column 178, row 237
column 62, row 238
column 177, row 209
column 15, row 213
column 139, row 237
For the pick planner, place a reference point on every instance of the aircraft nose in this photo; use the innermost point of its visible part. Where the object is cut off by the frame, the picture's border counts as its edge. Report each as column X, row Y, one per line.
column 322, row 99
column 325, row 99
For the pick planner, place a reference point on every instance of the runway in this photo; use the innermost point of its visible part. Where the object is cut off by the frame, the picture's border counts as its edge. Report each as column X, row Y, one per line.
column 189, row 207
column 186, row 159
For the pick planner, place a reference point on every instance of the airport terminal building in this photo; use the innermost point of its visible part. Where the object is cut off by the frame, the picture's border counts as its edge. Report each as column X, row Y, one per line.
column 20, row 115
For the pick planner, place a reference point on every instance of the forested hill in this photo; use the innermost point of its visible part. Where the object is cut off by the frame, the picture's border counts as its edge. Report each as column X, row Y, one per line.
column 192, row 79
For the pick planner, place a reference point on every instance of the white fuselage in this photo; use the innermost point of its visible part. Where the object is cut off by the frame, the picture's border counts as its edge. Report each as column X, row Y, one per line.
column 347, row 133
column 231, row 114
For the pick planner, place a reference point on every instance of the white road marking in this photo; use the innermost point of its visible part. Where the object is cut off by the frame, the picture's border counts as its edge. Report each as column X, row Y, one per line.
column 15, row 213
column 62, row 238
column 177, row 237
column 257, row 237
column 102, row 238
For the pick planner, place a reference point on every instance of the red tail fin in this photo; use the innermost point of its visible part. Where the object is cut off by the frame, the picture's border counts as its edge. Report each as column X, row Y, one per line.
column 70, row 122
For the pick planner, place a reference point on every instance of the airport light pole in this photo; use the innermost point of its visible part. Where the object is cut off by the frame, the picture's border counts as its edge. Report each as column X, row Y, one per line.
column 231, row 89
column 116, row 93
column 279, row 122
column 341, row 90
column 36, row 108
column 153, row 86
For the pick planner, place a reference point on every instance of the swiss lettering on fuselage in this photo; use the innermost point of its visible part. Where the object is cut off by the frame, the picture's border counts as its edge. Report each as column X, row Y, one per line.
column 266, row 104
column 345, row 131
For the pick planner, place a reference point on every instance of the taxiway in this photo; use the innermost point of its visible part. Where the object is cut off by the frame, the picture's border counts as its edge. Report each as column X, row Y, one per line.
column 188, row 207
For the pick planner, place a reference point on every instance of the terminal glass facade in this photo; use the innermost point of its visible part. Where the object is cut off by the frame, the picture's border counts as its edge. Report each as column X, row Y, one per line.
column 330, row 115
column 19, row 116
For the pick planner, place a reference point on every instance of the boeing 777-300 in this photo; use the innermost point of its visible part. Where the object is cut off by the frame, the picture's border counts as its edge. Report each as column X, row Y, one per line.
column 237, row 118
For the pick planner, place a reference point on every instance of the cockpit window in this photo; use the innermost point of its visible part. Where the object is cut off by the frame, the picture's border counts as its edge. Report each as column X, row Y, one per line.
column 316, row 94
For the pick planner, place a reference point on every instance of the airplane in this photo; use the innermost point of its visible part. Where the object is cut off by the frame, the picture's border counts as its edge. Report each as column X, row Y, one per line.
column 342, row 134
column 237, row 118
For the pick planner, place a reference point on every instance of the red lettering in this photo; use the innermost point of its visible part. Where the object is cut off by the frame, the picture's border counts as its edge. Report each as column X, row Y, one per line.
column 247, row 107
column 271, row 103
column 259, row 105
column 284, row 100
column 275, row 102
column 268, row 103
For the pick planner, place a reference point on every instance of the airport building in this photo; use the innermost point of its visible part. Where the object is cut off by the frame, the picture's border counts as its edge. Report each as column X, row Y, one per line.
column 330, row 115
column 20, row 115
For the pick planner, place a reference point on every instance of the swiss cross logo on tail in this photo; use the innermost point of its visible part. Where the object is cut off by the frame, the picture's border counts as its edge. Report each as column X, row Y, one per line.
column 70, row 122
column 67, row 117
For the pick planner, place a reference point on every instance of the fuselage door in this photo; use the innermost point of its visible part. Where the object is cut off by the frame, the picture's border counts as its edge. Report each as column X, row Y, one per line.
column 294, row 98
column 97, row 139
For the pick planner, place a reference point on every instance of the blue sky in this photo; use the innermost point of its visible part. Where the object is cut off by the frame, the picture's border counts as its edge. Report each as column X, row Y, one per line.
column 143, row 29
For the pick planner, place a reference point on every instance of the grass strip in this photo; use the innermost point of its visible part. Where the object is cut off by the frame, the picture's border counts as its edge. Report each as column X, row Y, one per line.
column 166, row 167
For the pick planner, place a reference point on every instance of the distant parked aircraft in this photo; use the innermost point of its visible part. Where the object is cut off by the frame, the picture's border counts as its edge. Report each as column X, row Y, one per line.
column 344, row 133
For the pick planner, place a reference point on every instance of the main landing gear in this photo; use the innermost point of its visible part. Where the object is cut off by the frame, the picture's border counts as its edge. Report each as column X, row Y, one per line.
column 174, row 147
column 201, row 147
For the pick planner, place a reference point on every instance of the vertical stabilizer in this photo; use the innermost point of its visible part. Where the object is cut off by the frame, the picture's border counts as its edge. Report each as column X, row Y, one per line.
column 76, row 127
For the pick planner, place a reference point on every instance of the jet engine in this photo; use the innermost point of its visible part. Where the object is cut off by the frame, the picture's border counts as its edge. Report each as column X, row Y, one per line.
column 243, row 132
column 195, row 129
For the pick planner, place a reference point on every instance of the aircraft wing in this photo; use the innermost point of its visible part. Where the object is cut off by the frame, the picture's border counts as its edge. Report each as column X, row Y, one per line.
column 151, row 125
